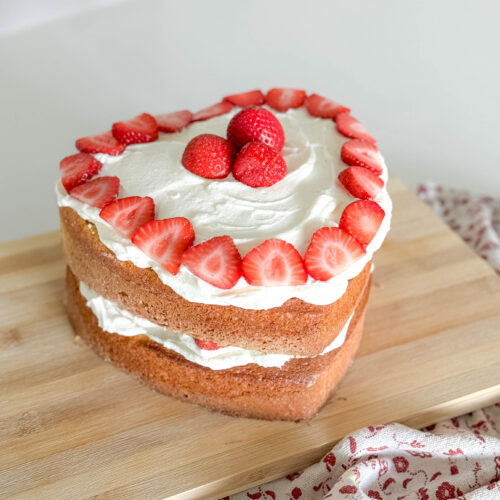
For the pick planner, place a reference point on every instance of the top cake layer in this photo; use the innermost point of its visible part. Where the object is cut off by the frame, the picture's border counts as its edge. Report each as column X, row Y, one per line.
column 308, row 198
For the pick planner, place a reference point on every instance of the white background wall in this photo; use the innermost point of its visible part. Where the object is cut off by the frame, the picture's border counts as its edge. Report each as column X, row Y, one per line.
column 423, row 76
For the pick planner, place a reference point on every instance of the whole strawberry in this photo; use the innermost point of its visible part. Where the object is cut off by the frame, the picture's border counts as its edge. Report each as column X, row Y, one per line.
column 209, row 156
column 258, row 165
column 255, row 125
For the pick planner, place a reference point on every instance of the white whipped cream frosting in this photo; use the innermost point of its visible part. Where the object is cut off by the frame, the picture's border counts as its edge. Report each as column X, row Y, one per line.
column 113, row 319
column 308, row 198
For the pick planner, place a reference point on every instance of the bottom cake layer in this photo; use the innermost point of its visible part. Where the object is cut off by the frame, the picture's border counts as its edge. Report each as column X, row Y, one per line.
column 296, row 391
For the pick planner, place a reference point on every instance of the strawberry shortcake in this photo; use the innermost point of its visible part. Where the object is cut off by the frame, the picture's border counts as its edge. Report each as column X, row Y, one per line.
column 224, row 256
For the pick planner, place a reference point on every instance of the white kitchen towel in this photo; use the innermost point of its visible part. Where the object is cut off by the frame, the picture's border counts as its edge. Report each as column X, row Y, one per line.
column 475, row 218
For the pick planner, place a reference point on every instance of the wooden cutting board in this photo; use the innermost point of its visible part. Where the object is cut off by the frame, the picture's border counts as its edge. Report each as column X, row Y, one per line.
column 72, row 426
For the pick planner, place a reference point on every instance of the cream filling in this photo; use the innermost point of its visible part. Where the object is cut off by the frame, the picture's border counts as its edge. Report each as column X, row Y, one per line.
column 113, row 319
column 308, row 198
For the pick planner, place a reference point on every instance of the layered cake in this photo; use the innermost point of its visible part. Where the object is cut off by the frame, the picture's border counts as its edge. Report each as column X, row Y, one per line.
column 224, row 257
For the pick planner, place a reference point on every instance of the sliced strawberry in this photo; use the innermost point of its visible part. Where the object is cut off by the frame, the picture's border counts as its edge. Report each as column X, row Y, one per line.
column 207, row 345
column 274, row 263
column 97, row 192
column 283, row 99
column 217, row 261
column 323, row 107
column 361, row 182
column 258, row 165
column 165, row 241
column 350, row 127
column 78, row 168
column 331, row 251
column 359, row 153
column 142, row 128
column 221, row 108
column 127, row 215
column 361, row 219
column 102, row 143
column 256, row 125
column 209, row 156
column 251, row 98
column 173, row 122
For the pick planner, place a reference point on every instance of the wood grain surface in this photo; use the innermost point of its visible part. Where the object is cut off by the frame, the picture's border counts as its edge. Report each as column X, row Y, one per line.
column 73, row 426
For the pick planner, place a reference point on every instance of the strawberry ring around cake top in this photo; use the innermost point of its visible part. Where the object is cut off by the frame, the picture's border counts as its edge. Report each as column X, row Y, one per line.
column 308, row 198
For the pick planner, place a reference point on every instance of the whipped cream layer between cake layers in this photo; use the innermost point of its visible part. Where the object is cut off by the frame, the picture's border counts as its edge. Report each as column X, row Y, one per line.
column 113, row 319
column 308, row 198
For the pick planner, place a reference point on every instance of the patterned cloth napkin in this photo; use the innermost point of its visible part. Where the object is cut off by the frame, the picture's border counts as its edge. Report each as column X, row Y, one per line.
column 458, row 458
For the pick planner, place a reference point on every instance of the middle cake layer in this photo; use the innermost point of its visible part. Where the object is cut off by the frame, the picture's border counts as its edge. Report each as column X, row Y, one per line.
column 112, row 319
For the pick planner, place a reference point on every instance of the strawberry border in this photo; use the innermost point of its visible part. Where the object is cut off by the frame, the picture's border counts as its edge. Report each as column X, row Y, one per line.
column 315, row 104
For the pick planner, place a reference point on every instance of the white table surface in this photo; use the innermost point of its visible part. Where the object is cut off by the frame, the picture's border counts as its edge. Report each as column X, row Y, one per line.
column 422, row 76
